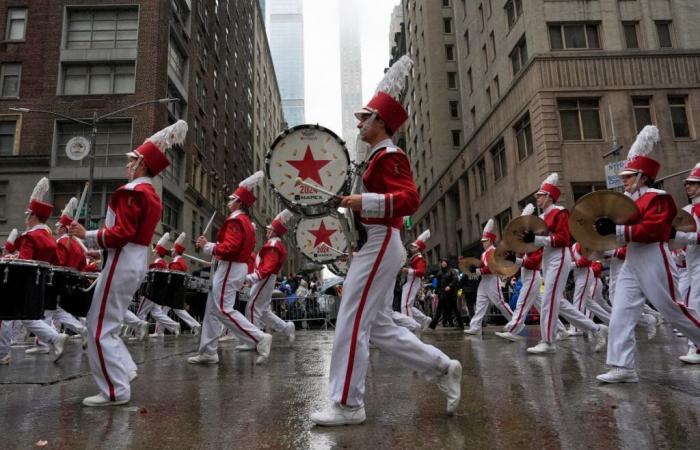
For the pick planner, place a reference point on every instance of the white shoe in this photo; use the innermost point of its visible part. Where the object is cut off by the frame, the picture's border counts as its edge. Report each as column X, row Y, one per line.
column 5, row 360
column 178, row 330
column 542, row 348
column 38, row 350
column 263, row 348
column 143, row 330
column 678, row 333
column 472, row 331
column 692, row 357
column 651, row 327
column 246, row 347
column 334, row 415
column 99, row 400
column 228, row 337
column 203, row 358
column 574, row 332
column 601, row 339
column 451, row 384
column 426, row 323
column 196, row 330
column 509, row 336
column 292, row 332
column 124, row 330
column 58, row 346
column 563, row 335
column 155, row 335
column 133, row 375
column 619, row 375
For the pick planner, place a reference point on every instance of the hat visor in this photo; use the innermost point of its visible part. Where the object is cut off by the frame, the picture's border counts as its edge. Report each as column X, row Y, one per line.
column 133, row 155
column 628, row 172
column 363, row 112
column 693, row 179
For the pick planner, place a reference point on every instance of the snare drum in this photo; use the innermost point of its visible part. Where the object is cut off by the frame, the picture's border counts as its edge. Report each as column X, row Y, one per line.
column 23, row 285
column 166, row 287
column 321, row 238
column 62, row 281
column 78, row 298
column 317, row 156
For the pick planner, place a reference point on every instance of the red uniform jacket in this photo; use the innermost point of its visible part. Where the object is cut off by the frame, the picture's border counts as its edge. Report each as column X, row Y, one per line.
column 579, row 259
column 133, row 214
column 251, row 262
column 37, row 244
column 653, row 223
column 620, row 253
column 484, row 269
column 236, row 239
column 270, row 258
column 557, row 220
column 159, row 263
column 533, row 260
column 179, row 264
column 418, row 265
column 597, row 269
column 391, row 193
column 70, row 253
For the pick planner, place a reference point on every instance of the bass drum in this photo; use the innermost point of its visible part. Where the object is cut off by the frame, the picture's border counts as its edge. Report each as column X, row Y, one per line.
column 23, row 285
column 321, row 239
column 317, row 156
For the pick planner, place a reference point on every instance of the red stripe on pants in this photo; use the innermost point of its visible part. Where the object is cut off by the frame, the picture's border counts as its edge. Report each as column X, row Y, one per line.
column 583, row 291
column 221, row 305
column 358, row 315
column 100, row 320
column 527, row 295
column 669, row 277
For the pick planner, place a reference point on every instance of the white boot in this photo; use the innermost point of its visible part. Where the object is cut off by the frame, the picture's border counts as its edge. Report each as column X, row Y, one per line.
column 692, row 357
column 509, row 336
column 472, row 331
column 247, row 347
column 99, row 400
column 57, row 347
column 291, row 334
column 335, row 415
column 196, row 330
column 542, row 348
column 143, row 330
column 619, row 375
column 38, row 350
column 451, row 384
column 7, row 359
column 203, row 358
column 263, row 348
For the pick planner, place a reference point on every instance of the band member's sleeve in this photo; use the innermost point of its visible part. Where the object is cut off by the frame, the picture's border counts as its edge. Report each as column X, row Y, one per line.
column 128, row 212
column 269, row 263
column 401, row 197
column 418, row 269
column 233, row 239
column 27, row 248
column 655, row 224
column 61, row 257
column 687, row 238
column 532, row 260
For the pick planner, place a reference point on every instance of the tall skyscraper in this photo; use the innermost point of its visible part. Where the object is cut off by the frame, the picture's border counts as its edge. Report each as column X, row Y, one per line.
column 350, row 72
column 285, row 30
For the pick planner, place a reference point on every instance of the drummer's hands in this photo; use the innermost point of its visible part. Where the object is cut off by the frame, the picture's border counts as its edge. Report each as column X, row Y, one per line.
column 527, row 236
column 77, row 230
column 353, row 202
column 94, row 253
column 201, row 242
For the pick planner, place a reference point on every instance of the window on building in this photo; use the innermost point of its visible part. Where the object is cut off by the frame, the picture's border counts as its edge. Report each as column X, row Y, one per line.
column 498, row 154
column 112, row 142
column 16, row 24
column 3, row 200
column 452, row 80
column 8, row 130
column 481, row 175
column 470, row 80
column 580, row 189
column 663, row 30
column 98, row 79
column 631, row 30
column 679, row 116
column 573, row 35
column 514, row 9
column 445, row 3
column 518, row 57
column 454, row 109
column 472, row 114
column 10, row 74
column 466, row 42
column 177, row 61
column 502, row 221
column 450, row 52
column 171, row 212
column 102, row 28
column 580, row 119
column 497, row 87
column 492, row 37
column 488, row 96
column 523, row 137
column 447, row 25
column 485, row 57
column 204, row 98
column 456, row 138
column 642, row 112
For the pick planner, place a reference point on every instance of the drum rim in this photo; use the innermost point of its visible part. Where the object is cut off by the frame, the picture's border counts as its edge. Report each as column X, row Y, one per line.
column 296, row 243
column 168, row 271
column 26, row 262
column 299, row 208
column 65, row 270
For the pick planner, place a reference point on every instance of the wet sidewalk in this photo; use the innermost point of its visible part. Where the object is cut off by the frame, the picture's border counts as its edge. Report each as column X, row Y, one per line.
column 510, row 400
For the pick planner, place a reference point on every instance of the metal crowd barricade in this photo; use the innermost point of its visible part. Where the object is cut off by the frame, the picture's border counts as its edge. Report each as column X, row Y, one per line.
column 310, row 311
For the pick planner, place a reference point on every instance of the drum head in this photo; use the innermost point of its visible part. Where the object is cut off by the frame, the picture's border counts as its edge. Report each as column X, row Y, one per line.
column 315, row 235
column 317, row 156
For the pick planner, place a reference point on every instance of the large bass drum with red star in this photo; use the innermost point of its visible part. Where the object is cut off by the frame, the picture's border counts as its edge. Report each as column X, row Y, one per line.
column 316, row 156
column 321, row 239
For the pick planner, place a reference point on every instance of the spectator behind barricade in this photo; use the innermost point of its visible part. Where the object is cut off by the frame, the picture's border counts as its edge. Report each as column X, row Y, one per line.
column 514, row 286
column 469, row 285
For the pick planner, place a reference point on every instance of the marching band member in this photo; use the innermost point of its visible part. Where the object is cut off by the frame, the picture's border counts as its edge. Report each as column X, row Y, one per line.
column 556, row 265
column 414, row 280
column 583, row 280
column 596, row 304
column 262, row 279
column 179, row 264
column 692, row 255
column 235, row 241
column 36, row 244
column 9, row 247
column 133, row 214
column 489, row 290
column 147, row 306
column 648, row 271
column 388, row 194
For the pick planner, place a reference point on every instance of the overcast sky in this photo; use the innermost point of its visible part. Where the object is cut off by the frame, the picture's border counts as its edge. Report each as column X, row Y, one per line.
column 322, row 55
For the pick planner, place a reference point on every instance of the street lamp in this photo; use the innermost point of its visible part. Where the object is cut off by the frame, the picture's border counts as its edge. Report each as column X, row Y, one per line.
column 92, row 124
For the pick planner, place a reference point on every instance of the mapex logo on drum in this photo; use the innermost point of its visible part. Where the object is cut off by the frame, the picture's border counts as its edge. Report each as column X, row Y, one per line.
column 310, row 135
column 298, row 198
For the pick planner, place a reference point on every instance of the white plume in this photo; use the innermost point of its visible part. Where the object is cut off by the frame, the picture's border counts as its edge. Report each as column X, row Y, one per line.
column 490, row 225
column 13, row 236
column 181, row 239
column 424, row 236
column 171, row 135
column 40, row 190
column 394, row 81
column 164, row 240
column 70, row 207
column 253, row 180
column 552, row 179
column 697, row 166
column 644, row 144
column 285, row 216
column 528, row 210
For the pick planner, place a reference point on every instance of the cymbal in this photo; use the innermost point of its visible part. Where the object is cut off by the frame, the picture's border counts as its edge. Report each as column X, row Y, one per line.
column 465, row 264
column 682, row 222
column 511, row 235
column 499, row 265
column 590, row 254
column 611, row 204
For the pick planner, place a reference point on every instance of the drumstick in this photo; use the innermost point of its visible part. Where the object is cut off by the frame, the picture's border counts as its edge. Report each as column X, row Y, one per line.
column 194, row 258
column 81, row 202
column 334, row 249
column 206, row 230
column 318, row 188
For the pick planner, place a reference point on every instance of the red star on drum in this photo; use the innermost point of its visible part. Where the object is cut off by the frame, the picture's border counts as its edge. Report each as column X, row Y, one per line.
column 309, row 167
column 322, row 235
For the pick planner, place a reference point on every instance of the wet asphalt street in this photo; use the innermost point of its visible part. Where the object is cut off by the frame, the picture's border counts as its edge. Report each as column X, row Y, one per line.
column 509, row 400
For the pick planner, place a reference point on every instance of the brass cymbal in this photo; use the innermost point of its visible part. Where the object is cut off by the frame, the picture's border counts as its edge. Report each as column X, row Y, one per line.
column 465, row 264
column 611, row 204
column 682, row 222
column 499, row 265
column 590, row 254
column 521, row 224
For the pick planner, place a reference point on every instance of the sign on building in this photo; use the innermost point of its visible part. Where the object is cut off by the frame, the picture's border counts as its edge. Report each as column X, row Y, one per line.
column 612, row 181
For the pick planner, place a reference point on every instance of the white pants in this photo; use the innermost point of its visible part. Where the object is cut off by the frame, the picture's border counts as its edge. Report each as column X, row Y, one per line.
column 183, row 315
column 596, row 304
column 529, row 295
column 408, row 294
column 131, row 319
column 418, row 316
column 259, row 307
column 365, row 312
column 405, row 321
column 110, row 361
column 683, row 285
column 62, row 317
column 147, row 307
column 692, row 299
column 556, row 264
column 5, row 337
column 220, row 312
column 583, row 278
column 489, row 291
column 648, row 273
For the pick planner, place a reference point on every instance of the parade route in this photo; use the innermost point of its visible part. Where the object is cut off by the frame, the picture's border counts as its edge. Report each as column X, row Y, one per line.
column 510, row 399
